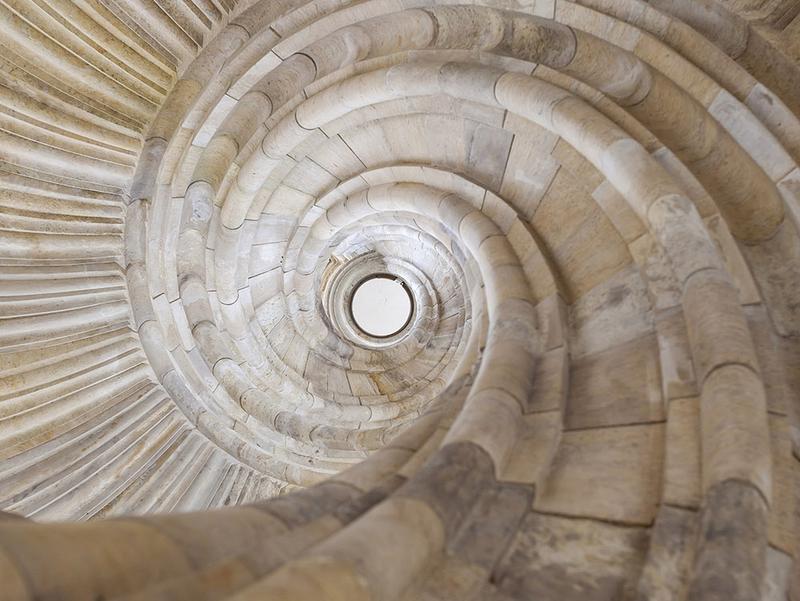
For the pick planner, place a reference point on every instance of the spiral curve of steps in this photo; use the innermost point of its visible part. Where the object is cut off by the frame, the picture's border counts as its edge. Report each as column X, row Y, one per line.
column 594, row 206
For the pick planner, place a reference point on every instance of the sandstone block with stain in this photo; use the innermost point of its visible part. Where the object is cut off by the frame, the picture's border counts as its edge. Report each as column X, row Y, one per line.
column 609, row 473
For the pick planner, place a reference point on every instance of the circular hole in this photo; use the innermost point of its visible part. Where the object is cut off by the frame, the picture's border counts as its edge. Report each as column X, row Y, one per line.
column 381, row 305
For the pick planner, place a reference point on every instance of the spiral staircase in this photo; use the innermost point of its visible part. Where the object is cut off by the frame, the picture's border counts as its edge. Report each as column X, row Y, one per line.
column 593, row 206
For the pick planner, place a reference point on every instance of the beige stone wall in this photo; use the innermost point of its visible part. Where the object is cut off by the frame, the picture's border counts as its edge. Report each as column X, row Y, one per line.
column 595, row 205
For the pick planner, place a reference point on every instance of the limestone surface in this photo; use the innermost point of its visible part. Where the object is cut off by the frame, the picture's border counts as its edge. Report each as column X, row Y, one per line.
column 593, row 205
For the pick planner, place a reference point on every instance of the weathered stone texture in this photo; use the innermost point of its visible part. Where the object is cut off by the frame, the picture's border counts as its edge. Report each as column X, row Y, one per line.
column 594, row 206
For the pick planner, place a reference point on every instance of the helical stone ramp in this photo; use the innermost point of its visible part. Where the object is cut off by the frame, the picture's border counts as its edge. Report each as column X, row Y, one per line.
column 593, row 207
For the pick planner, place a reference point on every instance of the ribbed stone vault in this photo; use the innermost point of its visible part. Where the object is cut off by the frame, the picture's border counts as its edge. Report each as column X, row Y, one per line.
column 595, row 206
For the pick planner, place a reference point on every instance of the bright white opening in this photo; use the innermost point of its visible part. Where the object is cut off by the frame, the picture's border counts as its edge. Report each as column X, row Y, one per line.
column 381, row 306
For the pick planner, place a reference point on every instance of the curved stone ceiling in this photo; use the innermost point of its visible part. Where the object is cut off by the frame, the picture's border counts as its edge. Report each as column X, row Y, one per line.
column 594, row 205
